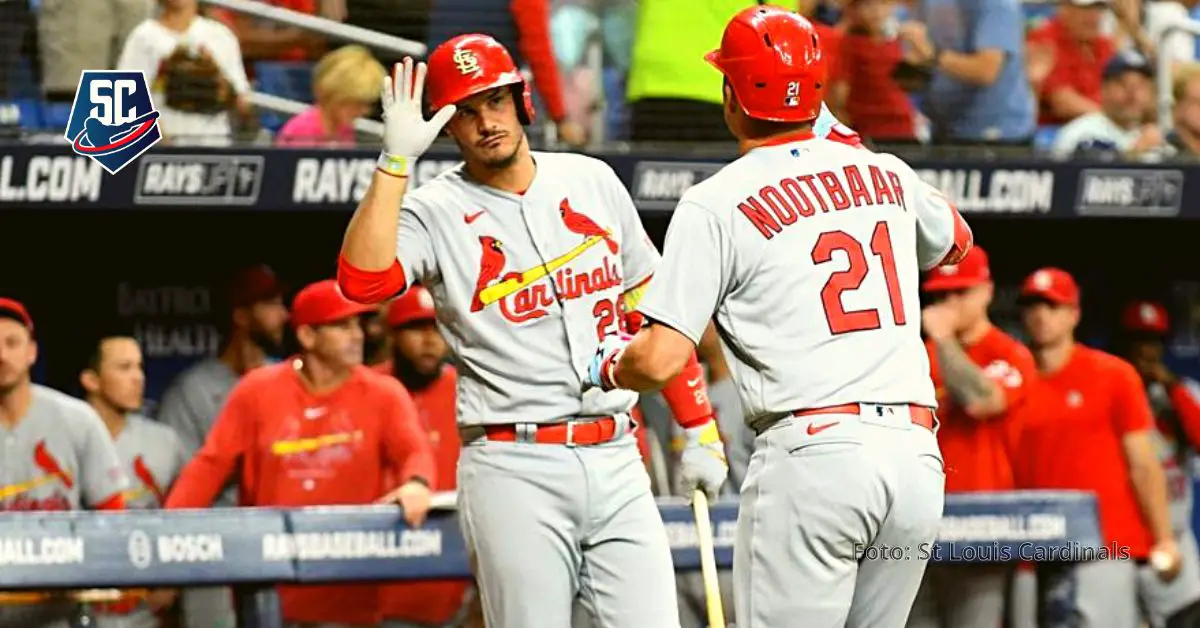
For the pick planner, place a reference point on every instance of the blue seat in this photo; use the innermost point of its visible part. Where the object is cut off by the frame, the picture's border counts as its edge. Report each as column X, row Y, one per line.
column 31, row 113
column 1043, row 138
column 286, row 79
column 616, row 113
column 55, row 116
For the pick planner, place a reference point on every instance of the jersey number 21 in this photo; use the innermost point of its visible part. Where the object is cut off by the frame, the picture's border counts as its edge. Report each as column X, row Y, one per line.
column 842, row 321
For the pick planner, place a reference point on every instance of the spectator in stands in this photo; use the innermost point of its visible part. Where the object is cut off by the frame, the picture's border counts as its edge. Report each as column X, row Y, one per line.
column 407, row 20
column 151, row 455
column 1175, row 402
column 377, row 343
column 74, row 36
column 1119, row 127
column 1076, row 52
column 1185, row 90
column 15, row 19
column 1093, row 403
column 271, row 40
column 191, row 403
column 864, row 93
column 523, row 26
column 419, row 362
column 193, row 104
column 317, row 429
column 345, row 87
column 674, row 94
column 975, row 58
column 57, row 454
column 1179, row 47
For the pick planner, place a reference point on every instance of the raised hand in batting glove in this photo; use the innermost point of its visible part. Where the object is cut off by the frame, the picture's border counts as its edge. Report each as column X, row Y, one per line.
column 604, row 362
column 702, row 464
column 406, row 132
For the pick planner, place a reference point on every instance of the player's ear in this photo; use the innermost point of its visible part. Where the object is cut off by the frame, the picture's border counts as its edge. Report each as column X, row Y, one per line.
column 89, row 380
column 306, row 336
column 241, row 317
column 32, row 350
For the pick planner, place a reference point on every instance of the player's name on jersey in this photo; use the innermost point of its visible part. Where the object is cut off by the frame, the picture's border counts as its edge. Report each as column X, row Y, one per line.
column 336, row 180
column 46, row 550
column 1030, row 527
column 995, row 191
column 352, row 545
column 44, row 178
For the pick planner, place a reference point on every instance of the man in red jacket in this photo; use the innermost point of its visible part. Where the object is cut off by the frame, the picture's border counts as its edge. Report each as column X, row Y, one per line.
column 317, row 429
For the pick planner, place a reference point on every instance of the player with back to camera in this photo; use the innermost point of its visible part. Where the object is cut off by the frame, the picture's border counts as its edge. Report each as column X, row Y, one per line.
column 808, row 252
column 531, row 259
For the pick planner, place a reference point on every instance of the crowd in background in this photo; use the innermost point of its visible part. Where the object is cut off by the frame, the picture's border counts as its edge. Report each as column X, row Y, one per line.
column 1068, row 76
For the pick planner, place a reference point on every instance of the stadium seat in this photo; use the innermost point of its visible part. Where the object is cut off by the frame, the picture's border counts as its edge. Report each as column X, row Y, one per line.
column 31, row 113
column 1043, row 138
column 616, row 112
column 286, row 79
column 55, row 116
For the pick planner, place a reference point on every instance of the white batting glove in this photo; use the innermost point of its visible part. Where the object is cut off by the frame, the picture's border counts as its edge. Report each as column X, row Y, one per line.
column 702, row 464
column 406, row 133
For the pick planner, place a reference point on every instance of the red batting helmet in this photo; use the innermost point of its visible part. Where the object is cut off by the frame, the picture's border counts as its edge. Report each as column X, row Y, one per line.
column 416, row 304
column 772, row 59
column 471, row 64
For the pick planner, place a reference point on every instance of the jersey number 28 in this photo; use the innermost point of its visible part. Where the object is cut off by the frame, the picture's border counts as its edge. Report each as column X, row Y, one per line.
column 842, row 321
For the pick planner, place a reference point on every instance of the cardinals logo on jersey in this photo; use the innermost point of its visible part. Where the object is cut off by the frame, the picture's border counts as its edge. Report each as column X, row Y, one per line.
column 523, row 295
column 49, row 471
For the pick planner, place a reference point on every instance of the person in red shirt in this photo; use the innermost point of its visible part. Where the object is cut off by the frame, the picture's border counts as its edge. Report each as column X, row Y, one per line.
column 419, row 362
column 267, row 40
column 863, row 93
column 1175, row 402
column 1093, row 431
column 981, row 376
column 317, row 429
column 1071, row 51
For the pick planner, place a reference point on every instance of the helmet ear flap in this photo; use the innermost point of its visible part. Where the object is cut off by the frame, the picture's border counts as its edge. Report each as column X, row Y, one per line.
column 523, row 99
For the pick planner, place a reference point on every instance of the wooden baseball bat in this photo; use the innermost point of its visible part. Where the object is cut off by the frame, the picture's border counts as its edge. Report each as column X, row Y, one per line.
column 708, row 560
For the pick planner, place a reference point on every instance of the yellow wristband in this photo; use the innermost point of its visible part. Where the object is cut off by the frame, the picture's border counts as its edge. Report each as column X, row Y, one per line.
column 393, row 165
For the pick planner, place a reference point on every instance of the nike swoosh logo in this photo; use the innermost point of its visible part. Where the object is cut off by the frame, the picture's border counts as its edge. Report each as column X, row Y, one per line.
column 814, row 429
column 470, row 218
column 693, row 382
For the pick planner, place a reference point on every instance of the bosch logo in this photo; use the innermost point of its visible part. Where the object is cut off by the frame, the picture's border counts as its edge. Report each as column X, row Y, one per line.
column 141, row 549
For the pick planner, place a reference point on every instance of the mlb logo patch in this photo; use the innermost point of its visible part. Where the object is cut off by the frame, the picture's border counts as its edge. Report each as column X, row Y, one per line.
column 112, row 119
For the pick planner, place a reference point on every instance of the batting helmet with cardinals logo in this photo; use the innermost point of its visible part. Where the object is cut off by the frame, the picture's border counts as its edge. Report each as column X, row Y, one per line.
column 472, row 64
column 772, row 59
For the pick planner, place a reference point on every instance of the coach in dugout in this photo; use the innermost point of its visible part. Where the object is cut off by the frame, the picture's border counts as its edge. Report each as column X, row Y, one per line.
column 56, row 453
column 318, row 429
column 1093, row 431
column 419, row 362
column 114, row 382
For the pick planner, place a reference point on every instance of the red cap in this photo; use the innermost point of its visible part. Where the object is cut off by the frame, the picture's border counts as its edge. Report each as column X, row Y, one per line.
column 15, row 309
column 414, row 305
column 1146, row 317
column 322, row 303
column 971, row 271
column 1051, row 284
column 252, row 285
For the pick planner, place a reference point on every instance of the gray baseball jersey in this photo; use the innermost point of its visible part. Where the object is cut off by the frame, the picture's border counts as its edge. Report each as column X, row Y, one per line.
column 808, row 252
column 809, row 256
column 59, row 456
column 526, row 285
column 191, row 405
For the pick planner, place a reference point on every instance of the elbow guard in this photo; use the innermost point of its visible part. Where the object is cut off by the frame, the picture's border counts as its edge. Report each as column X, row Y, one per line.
column 687, row 395
column 369, row 286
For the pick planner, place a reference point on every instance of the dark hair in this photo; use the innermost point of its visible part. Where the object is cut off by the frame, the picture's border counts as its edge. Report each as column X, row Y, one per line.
column 96, row 350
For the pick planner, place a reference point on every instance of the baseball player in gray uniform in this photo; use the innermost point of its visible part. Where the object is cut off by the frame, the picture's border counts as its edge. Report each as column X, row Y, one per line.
column 191, row 404
column 152, row 455
column 531, row 258
column 808, row 252
column 54, row 453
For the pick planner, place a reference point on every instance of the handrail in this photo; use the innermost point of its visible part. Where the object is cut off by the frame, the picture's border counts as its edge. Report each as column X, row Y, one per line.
column 292, row 107
column 1162, row 74
column 324, row 26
